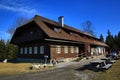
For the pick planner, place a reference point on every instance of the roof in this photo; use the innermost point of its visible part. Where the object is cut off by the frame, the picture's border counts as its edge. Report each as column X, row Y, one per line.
column 45, row 23
column 65, row 26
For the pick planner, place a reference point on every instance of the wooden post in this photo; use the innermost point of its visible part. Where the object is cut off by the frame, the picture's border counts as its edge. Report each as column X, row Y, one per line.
column 87, row 49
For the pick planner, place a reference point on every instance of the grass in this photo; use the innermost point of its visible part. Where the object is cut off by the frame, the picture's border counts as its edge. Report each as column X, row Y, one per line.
column 17, row 68
column 112, row 74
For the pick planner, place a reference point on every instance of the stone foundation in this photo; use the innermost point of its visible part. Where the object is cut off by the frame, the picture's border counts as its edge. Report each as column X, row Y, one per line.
column 69, row 59
column 32, row 60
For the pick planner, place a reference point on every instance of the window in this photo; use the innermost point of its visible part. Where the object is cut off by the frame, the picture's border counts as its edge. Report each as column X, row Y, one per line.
column 35, row 50
column 77, row 50
column 71, row 33
column 56, row 29
column 25, row 50
column 21, row 50
column 30, row 50
column 92, row 51
column 65, row 49
column 31, row 32
column 72, row 49
column 41, row 49
column 38, row 31
column 58, row 49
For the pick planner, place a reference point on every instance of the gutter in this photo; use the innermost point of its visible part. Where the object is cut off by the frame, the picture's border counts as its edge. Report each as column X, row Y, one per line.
column 55, row 40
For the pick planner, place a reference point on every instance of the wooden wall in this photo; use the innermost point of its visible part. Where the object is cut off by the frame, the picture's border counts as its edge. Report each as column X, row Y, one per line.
column 55, row 55
column 34, row 56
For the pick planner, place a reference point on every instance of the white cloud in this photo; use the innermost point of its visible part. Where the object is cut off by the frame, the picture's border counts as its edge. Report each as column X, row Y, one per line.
column 16, row 6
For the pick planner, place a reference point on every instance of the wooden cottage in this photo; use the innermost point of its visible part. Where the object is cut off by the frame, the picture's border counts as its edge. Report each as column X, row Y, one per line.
column 42, row 38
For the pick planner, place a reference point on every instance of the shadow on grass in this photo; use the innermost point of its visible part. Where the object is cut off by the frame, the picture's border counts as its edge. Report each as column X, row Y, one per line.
column 15, row 61
column 85, row 67
column 88, row 67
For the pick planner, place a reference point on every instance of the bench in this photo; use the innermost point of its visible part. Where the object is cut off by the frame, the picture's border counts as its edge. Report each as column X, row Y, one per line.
column 96, row 65
column 108, row 60
column 100, row 65
column 112, row 61
column 61, row 59
column 107, row 66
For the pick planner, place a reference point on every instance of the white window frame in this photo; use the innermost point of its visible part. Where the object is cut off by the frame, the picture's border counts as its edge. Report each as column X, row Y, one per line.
column 31, row 32
column 42, row 49
column 71, row 33
column 58, row 49
column 25, row 50
column 72, row 49
column 35, row 50
column 77, row 49
column 65, row 49
column 21, row 50
column 56, row 29
column 30, row 50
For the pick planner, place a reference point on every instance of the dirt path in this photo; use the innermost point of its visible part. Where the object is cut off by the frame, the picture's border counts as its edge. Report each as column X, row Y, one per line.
column 62, row 71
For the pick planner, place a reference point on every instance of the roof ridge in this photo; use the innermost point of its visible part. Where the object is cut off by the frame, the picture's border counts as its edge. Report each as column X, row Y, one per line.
column 26, row 22
column 75, row 30
column 43, row 18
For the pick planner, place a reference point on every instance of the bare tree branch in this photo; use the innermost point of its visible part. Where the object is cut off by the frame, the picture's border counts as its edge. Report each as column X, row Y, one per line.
column 88, row 27
column 18, row 22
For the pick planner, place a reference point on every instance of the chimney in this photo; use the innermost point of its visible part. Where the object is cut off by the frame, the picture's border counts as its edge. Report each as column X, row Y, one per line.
column 61, row 21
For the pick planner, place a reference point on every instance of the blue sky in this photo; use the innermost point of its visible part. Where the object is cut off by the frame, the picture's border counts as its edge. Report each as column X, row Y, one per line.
column 104, row 14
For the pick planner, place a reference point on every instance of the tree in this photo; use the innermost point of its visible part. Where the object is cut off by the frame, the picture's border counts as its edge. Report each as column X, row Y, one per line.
column 109, row 40
column 11, row 50
column 108, row 32
column 115, row 45
column 2, row 49
column 113, row 42
column 18, row 22
column 88, row 27
column 118, row 41
column 101, row 38
column 7, row 50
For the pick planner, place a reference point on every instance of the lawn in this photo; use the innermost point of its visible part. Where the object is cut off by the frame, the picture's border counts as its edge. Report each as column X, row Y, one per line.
column 112, row 74
column 16, row 68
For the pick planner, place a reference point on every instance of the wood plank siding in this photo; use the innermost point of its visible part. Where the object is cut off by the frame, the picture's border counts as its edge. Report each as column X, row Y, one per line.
column 40, row 32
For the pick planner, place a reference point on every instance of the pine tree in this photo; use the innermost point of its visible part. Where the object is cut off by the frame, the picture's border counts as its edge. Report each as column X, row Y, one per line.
column 101, row 38
column 7, row 50
column 109, row 40
column 2, row 49
column 118, row 42
column 115, row 45
column 11, row 50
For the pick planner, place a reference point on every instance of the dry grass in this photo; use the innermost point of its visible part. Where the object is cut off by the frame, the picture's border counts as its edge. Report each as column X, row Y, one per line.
column 16, row 68
column 112, row 74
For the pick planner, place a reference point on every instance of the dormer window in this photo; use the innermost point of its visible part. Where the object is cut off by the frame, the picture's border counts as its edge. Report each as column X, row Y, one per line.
column 85, row 37
column 76, row 35
column 71, row 33
column 38, row 31
column 56, row 29
column 31, row 32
